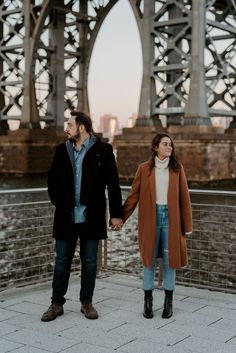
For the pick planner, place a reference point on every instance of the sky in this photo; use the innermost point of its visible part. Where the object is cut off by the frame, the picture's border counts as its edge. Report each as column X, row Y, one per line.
column 115, row 71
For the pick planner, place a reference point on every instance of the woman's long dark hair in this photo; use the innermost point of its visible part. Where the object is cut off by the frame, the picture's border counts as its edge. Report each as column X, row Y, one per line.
column 173, row 163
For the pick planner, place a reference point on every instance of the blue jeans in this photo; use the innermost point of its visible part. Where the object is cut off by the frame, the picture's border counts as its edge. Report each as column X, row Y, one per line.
column 64, row 255
column 162, row 239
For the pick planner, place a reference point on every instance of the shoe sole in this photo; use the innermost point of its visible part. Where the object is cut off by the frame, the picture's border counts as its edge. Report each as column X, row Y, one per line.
column 54, row 318
column 148, row 317
column 166, row 317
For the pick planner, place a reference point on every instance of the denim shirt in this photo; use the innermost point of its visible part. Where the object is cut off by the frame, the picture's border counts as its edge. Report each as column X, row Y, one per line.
column 79, row 211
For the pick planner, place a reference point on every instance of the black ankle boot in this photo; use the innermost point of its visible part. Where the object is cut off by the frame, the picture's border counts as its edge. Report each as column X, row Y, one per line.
column 148, row 313
column 168, row 306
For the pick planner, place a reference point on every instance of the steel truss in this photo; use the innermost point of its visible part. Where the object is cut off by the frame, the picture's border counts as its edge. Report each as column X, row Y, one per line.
column 221, row 60
column 188, row 58
column 192, row 63
column 46, row 47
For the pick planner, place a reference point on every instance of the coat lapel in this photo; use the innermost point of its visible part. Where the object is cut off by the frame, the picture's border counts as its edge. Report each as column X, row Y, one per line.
column 171, row 186
column 169, row 192
column 69, row 147
column 152, row 186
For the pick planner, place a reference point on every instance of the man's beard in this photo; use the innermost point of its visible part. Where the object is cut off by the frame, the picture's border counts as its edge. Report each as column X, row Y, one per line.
column 75, row 137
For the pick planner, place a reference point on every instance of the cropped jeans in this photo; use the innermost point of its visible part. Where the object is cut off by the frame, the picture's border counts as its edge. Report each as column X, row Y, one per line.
column 162, row 240
column 64, row 255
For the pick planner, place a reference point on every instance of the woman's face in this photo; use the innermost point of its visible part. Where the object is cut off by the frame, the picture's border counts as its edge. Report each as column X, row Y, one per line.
column 164, row 149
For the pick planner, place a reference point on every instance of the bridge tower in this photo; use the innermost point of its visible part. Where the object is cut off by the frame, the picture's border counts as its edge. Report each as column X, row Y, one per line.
column 188, row 59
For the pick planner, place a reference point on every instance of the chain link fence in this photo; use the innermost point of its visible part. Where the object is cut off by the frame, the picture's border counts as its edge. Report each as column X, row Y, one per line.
column 27, row 247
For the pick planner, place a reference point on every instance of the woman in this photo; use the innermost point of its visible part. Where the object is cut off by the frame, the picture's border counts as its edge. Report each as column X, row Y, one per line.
column 164, row 218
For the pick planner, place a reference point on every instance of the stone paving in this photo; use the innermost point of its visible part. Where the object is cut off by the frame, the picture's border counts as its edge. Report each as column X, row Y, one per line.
column 203, row 322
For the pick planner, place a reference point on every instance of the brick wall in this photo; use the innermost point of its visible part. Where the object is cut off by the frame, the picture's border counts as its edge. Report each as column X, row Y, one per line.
column 206, row 157
column 28, row 151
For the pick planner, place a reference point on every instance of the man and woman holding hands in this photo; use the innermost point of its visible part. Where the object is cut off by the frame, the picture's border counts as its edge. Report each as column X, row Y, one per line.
column 81, row 170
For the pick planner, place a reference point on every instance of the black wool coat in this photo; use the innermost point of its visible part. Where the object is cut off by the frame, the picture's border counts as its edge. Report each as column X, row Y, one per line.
column 98, row 172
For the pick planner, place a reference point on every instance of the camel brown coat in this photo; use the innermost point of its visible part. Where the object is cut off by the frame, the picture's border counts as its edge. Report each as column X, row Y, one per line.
column 143, row 191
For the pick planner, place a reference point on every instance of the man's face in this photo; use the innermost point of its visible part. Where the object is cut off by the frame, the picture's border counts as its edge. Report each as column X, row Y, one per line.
column 72, row 130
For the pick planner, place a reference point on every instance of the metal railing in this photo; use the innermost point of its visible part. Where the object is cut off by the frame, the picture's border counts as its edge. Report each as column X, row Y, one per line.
column 27, row 248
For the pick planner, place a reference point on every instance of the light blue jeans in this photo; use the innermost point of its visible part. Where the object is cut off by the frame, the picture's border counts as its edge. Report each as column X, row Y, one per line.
column 162, row 239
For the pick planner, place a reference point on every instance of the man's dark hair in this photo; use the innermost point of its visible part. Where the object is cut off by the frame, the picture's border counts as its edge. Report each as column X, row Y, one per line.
column 82, row 119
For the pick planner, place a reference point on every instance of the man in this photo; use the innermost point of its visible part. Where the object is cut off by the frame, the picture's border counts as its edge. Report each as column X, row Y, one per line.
column 81, row 170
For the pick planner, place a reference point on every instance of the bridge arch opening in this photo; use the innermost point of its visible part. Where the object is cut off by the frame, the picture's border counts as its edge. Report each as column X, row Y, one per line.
column 115, row 71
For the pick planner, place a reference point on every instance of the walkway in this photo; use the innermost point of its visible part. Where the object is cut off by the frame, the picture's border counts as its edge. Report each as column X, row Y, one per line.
column 203, row 321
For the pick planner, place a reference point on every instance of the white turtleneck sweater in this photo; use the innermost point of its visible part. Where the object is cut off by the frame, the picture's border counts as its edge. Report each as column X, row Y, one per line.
column 162, row 180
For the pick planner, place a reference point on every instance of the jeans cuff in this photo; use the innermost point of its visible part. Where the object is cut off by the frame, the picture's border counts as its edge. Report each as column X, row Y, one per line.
column 86, row 301
column 60, row 302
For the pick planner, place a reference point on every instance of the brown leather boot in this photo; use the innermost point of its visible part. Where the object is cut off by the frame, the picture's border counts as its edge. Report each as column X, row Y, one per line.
column 89, row 311
column 53, row 311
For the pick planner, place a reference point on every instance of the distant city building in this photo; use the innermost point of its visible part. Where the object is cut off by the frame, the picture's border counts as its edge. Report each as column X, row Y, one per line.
column 132, row 120
column 109, row 126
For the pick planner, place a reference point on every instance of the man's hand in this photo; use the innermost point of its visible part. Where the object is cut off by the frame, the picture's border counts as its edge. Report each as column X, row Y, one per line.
column 115, row 223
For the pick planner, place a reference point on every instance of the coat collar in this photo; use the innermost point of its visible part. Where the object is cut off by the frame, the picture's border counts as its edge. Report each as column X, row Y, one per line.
column 69, row 147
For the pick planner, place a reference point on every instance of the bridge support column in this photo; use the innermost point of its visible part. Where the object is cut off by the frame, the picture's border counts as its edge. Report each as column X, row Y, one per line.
column 30, row 115
column 146, row 115
column 196, row 111
column 56, row 104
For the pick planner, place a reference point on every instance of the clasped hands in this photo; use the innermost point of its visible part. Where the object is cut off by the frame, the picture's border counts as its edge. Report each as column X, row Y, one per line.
column 115, row 223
